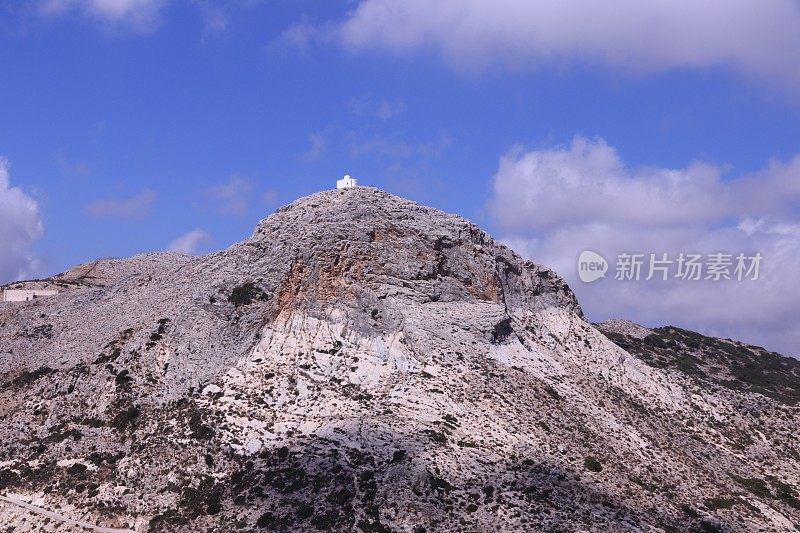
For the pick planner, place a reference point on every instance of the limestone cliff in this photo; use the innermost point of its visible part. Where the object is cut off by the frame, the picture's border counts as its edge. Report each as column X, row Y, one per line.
column 364, row 363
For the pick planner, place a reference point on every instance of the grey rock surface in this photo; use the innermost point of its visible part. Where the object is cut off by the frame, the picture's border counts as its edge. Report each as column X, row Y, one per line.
column 625, row 328
column 364, row 363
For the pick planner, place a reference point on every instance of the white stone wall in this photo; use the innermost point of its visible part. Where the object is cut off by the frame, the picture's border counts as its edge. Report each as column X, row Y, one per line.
column 24, row 295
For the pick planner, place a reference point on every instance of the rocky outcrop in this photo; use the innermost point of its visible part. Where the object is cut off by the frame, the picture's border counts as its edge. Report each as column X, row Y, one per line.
column 626, row 328
column 364, row 363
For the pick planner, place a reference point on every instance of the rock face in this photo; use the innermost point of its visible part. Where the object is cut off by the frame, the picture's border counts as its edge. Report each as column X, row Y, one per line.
column 363, row 363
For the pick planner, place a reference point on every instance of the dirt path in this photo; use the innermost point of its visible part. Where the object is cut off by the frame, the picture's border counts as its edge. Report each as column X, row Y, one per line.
column 61, row 518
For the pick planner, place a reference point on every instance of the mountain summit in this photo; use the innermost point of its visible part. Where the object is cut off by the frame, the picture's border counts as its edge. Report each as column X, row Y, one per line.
column 364, row 363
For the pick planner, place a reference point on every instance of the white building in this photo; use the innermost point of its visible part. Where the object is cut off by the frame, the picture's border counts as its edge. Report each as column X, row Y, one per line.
column 26, row 295
column 346, row 182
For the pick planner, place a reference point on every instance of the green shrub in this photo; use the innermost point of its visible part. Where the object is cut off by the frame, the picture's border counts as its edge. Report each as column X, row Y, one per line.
column 246, row 294
column 754, row 485
column 785, row 493
column 712, row 504
column 126, row 418
column 592, row 464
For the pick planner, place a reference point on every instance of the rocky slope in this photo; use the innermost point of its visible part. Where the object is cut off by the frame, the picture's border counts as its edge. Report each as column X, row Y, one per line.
column 363, row 363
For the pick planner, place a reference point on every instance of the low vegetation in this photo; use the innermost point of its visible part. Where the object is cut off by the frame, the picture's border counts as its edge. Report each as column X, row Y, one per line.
column 246, row 294
column 725, row 363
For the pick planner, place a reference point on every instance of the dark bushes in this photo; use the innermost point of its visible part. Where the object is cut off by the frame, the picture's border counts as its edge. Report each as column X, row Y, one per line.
column 126, row 418
column 592, row 464
column 246, row 294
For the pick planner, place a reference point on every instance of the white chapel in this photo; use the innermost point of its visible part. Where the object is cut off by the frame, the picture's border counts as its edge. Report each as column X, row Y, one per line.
column 346, row 182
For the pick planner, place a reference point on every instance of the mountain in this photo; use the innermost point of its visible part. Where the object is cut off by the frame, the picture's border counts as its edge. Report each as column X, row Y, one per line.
column 364, row 363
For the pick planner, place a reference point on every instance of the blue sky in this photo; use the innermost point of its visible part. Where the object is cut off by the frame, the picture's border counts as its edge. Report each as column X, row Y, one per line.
column 127, row 124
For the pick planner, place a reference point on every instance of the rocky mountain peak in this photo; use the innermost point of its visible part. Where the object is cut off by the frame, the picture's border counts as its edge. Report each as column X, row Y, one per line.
column 364, row 244
column 364, row 363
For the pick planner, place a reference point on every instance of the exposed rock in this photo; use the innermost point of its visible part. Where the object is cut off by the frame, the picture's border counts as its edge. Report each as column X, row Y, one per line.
column 364, row 363
column 624, row 327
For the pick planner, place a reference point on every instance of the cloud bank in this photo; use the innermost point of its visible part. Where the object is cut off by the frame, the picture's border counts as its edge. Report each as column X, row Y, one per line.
column 553, row 203
column 20, row 225
column 757, row 38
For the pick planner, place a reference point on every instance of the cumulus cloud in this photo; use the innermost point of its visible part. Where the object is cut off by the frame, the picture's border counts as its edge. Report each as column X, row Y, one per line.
column 758, row 38
column 190, row 242
column 138, row 15
column 136, row 206
column 232, row 197
column 20, row 226
column 553, row 203
column 588, row 180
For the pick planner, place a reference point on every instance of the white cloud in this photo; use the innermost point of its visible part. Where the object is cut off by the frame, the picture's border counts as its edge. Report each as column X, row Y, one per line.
column 318, row 143
column 73, row 169
column 232, row 197
column 588, row 181
column 270, row 198
column 137, row 206
column 20, row 225
column 216, row 20
column 758, row 38
column 138, row 15
column 380, row 109
column 297, row 36
column 190, row 242
column 553, row 203
column 397, row 147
